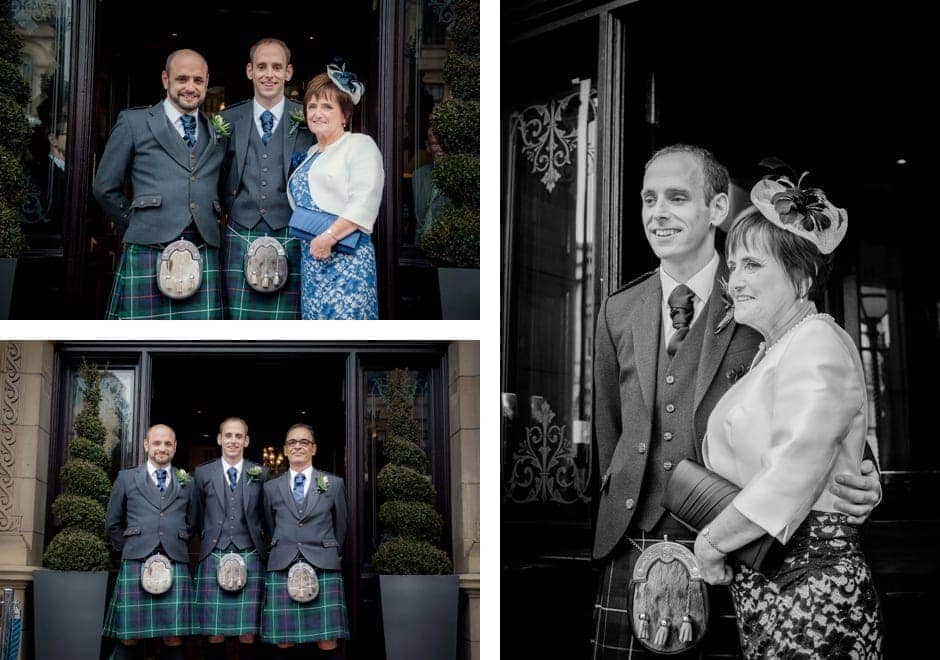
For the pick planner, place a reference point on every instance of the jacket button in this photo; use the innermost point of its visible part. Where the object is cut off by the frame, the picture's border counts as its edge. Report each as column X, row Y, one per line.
column 670, row 408
column 264, row 184
column 154, row 201
column 264, row 156
column 215, row 540
column 192, row 205
column 667, row 466
column 641, row 448
column 235, row 192
column 192, row 178
column 261, row 211
column 670, row 379
column 264, row 196
column 300, row 524
column 162, row 515
column 629, row 503
column 667, row 436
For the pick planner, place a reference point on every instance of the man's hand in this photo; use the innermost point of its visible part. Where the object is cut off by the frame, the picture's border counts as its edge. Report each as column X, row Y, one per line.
column 857, row 496
column 711, row 563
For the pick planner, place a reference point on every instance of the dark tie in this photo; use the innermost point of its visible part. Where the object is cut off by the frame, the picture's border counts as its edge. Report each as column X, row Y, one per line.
column 267, row 125
column 681, row 311
column 189, row 130
column 232, row 477
column 161, row 480
column 299, row 487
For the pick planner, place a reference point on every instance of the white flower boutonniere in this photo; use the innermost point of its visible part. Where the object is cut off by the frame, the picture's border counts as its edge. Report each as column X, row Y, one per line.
column 729, row 306
column 254, row 473
column 323, row 482
column 222, row 127
column 297, row 120
column 183, row 477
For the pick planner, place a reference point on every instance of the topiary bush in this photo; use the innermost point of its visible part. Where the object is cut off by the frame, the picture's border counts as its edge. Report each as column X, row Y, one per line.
column 14, row 133
column 454, row 238
column 456, row 123
column 14, row 129
column 458, row 177
column 12, row 240
column 465, row 28
column 462, row 74
column 79, row 512
column 410, row 525
column 12, row 178
column 13, row 84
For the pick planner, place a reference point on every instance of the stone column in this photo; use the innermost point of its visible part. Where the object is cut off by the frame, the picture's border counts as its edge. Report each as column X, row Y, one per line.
column 26, row 374
column 464, row 381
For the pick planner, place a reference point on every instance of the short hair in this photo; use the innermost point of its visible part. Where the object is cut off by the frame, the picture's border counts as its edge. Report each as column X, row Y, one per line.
column 180, row 51
column 301, row 425
column 798, row 256
column 715, row 174
column 234, row 419
column 322, row 86
column 166, row 426
column 264, row 42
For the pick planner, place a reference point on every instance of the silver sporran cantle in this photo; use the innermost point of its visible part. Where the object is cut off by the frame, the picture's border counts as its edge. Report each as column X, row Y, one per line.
column 302, row 583
column 233, row 572
column 266, row 265
column 156, row 575
column 179, row 270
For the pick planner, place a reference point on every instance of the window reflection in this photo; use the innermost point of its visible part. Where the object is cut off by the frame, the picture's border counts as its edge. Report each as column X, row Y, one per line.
column 116, row 410
column 875, row 345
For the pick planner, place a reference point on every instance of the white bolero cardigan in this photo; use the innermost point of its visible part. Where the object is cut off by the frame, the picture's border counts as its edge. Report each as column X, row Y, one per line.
column 347, row 179
column 795, row 420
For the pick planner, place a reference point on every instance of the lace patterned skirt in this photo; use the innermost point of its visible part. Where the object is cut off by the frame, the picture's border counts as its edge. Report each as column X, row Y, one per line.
column 820, row 603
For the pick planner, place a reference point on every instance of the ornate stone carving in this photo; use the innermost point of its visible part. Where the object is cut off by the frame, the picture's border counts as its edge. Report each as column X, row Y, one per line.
column 12, row 357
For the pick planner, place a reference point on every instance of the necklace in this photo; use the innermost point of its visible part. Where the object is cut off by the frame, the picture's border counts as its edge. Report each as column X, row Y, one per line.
column 764, row 349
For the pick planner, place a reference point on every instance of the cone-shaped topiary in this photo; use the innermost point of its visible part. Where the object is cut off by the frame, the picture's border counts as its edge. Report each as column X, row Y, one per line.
column 465, row 28
column 458, row 177
column 462, row 73
column 454, row 238
column 409, row 522
column 14, row 132
column 79, row 510
column 12, row 241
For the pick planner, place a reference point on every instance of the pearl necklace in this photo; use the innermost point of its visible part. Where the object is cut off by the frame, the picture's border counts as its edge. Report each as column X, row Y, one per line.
column 764, row 349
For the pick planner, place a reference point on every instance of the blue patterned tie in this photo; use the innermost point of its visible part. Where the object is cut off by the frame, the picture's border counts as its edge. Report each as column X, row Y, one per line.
column 267, row 125
column 189, row 130
column 299, row 487
column 232, row 478
column 161, row 480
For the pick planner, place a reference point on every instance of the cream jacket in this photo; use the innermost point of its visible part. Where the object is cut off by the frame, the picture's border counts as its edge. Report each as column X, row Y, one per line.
column 347, row 179
column 797, row 418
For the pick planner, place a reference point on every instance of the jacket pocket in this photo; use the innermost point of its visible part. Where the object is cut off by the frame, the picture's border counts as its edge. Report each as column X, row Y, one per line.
column 330, row 543
column 132, row 531
column 183, row 534
column 147, row 201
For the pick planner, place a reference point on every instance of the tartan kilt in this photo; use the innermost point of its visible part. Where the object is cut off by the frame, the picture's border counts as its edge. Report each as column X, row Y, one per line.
column 243, row 302
column 324, row 617
column 135, row 294
column 136, row 614
column 229, row 613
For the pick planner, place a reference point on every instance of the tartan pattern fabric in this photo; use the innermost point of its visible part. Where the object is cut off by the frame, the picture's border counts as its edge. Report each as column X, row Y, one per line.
column 135, row 295
column 243, row 302
column 136, row 614
column 324, row 617
column 229, row 613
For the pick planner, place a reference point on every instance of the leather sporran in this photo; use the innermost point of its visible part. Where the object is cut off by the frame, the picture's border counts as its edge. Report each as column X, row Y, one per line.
column 156, row 574
column 233, row 572
column 668, row 599
column 179, row 270
column 302, row 583
column 266, row 265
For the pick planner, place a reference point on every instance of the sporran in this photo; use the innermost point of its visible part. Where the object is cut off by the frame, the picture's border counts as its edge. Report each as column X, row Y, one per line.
column 233, row 572
column 302, row 583
column 266, row 265
column 179, row 270
column 156, row 574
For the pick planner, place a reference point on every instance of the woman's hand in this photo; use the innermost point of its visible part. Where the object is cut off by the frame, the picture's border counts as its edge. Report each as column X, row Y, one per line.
column 321, row 247
column 711, row 562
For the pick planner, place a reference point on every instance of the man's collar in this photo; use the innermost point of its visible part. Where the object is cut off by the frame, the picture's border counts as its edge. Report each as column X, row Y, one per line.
column 307, row 470
column 238, row 466
column 151, row 468
column 173, row 114
column 277, row 110
column 701, row 283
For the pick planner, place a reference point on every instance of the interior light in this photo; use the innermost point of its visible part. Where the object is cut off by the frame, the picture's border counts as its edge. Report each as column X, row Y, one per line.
column 901, row 161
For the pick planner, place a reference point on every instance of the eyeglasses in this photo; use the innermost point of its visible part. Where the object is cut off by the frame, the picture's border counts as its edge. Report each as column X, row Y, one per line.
column 293, row 442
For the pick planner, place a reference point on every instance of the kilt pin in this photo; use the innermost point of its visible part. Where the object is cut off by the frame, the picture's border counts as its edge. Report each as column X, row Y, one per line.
column 312, row 530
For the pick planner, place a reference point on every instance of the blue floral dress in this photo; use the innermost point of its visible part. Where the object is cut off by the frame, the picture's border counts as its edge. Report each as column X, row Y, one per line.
column 343, row 286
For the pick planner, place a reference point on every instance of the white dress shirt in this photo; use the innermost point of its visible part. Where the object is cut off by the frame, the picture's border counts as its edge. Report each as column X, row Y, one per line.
column 308, row 473
column 174, row 116
column 152, row 471
column 238, row 468
column 277, row 111
column 701, row 284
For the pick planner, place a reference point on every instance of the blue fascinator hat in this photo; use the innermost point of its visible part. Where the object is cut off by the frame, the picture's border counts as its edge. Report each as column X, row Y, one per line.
column 346, row 81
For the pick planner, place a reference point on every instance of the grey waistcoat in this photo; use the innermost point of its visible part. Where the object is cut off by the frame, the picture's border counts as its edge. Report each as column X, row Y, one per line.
column 263, row 194
column 235, row 527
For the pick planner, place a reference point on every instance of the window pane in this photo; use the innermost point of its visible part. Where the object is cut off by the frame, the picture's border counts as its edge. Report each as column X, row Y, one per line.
column 116, row 410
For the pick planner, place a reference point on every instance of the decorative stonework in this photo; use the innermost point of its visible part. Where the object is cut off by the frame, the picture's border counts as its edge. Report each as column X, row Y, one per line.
column 12, row 357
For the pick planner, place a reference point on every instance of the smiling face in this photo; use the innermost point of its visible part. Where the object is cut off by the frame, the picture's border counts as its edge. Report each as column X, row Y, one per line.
column 160, row 445
column 678, row 221
column 269, row 71
column 762, row 290
column 300, row 448
column 187, row 81
column 325, row 118
column 233, row 438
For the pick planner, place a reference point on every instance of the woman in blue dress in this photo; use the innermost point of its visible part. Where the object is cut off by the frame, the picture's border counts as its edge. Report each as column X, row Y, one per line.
column 342, row 174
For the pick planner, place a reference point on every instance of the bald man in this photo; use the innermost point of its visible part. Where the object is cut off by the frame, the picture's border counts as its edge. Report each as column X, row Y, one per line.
column 172, row 156
column 147, row 523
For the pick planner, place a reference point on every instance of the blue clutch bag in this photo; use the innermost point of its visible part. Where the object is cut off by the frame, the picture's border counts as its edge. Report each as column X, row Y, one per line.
column 307, row 224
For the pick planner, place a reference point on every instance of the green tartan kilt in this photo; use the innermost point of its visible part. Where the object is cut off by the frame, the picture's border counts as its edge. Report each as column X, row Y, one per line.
column 243, row 302
column 324, row 617
column 136, row 614
column 229, row 613
column 135, row 294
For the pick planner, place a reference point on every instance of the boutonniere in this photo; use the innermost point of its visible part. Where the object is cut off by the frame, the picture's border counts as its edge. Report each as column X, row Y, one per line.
column 221, row 126
column 254, row 473
column 728, row 302
column 297, row 120
column 323, row 482
column 182, row 477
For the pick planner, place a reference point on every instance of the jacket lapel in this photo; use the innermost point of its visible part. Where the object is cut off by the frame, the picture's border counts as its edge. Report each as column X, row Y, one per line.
column 288, row 141
column 647, row 328
column 714, row 345
column 246, row 485
column 213, row 139
column 168, row 138
column 219, row 483
column 243, row 128
column 288, row 495
column 147, row 487
column 313, row 496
